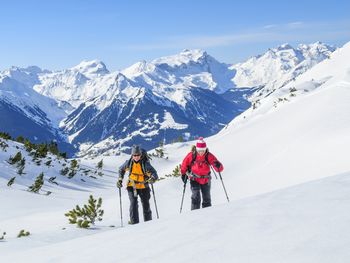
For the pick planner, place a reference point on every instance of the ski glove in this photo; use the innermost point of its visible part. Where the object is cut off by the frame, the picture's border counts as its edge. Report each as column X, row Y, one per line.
column 184, row 178
column 151, row 180
column 217, row 164
column 120, row 183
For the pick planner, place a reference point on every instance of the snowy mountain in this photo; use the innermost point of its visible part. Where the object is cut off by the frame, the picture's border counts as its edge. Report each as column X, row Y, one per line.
column 26, row 112
column 286, row 173
column 178, row 96
column 190, row 68
column 140, row 116
column 279, row 65
column 77, row 84
column 167, row 98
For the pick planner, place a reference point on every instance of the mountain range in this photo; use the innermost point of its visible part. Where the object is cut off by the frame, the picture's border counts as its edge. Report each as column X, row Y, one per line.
column 170, row 98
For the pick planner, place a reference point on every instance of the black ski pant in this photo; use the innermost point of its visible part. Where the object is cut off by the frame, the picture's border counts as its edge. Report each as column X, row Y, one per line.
column 196, row 189
column 145, row 195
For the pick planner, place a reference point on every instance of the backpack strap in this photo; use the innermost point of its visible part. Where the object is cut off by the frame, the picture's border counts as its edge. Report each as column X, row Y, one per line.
column 193, row 175
column 130, row 166
column 194, row 156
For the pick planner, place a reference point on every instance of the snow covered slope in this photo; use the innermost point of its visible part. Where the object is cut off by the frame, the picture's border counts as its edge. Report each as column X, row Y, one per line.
column 279, row 65
column 298, row 133
column 310, row 218
column 286, row 172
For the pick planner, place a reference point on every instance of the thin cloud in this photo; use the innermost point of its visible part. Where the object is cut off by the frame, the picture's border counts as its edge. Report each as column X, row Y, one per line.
column 200, row 41
column 288, row 32
column 296, row 24
column 270, row 26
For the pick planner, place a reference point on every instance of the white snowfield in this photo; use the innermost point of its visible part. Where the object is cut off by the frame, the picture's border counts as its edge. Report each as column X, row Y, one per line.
column 304, row 223
column 287, row 173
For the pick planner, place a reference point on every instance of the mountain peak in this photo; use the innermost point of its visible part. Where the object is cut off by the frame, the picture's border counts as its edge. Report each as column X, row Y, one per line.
column 91, row 68
column 284, row 46
column 194, row 53
column 137, row 68
column 186, row 56
column 318, row 45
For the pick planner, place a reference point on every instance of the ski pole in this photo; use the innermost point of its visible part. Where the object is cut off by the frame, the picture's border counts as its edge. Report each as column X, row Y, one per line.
column 155, row 202
column 213, row 172
column 183, row 195
column 121, row 209
column 224, row 187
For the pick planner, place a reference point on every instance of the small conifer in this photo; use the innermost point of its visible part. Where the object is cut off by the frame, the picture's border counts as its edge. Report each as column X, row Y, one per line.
column 20, row 139
column 74, row 164
column 176, row 171
column 2, row 237
column 84, row 216
column 64, row 171
column 5, row 136
column 16, row 158
column 20, row 165
column 11, row 181
column 36, row 186
column 3, row 145
column 100, row 164
column 23, row 233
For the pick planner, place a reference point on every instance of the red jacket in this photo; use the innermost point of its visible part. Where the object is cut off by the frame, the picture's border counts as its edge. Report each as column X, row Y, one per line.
column 200, row 166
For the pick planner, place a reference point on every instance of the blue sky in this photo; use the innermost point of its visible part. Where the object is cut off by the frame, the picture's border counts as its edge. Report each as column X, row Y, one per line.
column 59, row 34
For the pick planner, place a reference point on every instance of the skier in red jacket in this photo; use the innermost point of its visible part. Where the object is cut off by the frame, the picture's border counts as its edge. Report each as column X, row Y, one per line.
column 196, row 167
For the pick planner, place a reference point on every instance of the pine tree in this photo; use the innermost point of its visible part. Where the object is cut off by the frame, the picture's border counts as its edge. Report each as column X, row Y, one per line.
column 20, row 139
column 28, row 145
column 11, row 181
column 48, row 163
column 53, row 148
column 36, row 186
column 64, row 171
column 42, row 150
column 5, row 136
column 23, row 233
column 176, row 171
column 73, row 168
column 2, row 237
column 21, row 164
column 74, row 164
column 63, row 155
column 16, row 158
column 100, row 164
column 159, row 152
column 86, row 215
column 3, row 145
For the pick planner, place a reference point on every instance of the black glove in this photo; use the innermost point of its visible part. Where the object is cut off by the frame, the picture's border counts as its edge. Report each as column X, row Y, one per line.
column 120, row 183
column 184, row 178
column 151, row 180
column 217, row 164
